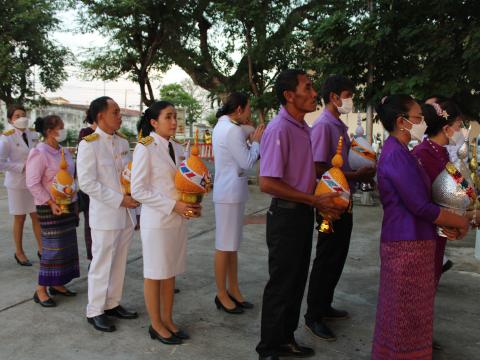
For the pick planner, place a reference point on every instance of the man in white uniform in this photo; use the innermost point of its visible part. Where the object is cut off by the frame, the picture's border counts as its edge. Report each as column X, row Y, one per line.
column 101, row 159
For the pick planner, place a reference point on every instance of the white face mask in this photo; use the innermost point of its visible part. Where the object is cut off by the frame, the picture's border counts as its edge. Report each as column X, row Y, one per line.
column 457, row 138
column 418, row 130
column 21, row 123
column 62, row 135
column 347, row 106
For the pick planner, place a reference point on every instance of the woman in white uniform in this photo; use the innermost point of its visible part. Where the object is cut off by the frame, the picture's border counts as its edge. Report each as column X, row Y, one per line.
column 162, row 224
column 15, row 144
column 230, row 193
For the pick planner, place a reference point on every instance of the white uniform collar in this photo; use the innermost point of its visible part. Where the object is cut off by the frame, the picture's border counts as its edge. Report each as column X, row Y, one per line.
column 160, row 140
column 103, row 134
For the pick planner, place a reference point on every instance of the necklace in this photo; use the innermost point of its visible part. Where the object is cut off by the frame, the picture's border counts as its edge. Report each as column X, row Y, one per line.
column 434, row 147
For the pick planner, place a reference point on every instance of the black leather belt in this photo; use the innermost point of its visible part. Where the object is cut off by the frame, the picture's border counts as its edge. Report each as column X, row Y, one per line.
column 286, row 204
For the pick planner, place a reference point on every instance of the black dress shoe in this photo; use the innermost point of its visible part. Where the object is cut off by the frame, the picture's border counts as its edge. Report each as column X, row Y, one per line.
column 67, row 293
column 236, row 310
column 47, row 303
column 270, row 357
column 39, row 255
column 101, row 323
column 121, row 313
column 320, row 330
column 334, row 314
column 172, row 340
column 242, row 304
column 295, row 350
column 436, row 346
column 176, row 291
column 181, row 335
column 22, row 263
column 447, row 266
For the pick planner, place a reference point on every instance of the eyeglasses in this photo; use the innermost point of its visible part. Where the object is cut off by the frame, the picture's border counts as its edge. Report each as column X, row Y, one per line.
column 421, row 117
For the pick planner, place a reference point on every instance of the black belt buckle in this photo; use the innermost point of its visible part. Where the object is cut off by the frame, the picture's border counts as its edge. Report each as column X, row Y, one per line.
column 285, row 204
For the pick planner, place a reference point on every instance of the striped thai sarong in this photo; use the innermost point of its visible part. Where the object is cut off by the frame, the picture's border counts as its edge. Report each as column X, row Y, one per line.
column 59, row 263
column 404, row 321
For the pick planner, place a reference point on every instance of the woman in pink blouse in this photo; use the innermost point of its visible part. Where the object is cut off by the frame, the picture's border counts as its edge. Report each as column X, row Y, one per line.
column 59, row 262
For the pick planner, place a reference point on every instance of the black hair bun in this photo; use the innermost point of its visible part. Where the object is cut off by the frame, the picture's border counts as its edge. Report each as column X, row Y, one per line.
column 39, row 125
column 88, row 118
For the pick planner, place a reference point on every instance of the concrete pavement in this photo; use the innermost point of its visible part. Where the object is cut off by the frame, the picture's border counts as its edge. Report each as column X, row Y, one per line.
column 28, row 331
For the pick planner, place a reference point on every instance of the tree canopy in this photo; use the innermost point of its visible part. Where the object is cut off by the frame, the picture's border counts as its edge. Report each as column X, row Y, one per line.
column 422, row 48
column 26, row 47
column 385, row 46
column 178, row 96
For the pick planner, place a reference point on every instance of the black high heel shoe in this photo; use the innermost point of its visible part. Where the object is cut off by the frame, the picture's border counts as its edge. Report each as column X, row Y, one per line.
column 242, row 304
column 39, row 255
column 172, row 340
column 236, row 310
column 66, row 293
column 22, row 263
column 47, row 303
column 180, row 334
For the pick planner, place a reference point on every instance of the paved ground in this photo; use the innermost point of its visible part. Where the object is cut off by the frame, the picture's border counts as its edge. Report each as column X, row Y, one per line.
column 28, row 331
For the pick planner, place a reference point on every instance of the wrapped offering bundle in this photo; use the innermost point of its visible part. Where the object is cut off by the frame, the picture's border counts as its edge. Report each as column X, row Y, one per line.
column 453, row 191
column 192, row 179
column 334, row 180
column 63, row 186
column 125, row 179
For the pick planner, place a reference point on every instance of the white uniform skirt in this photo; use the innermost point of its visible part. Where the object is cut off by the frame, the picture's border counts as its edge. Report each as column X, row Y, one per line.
column 228, row 226
column 164, row 252
column 20, row 202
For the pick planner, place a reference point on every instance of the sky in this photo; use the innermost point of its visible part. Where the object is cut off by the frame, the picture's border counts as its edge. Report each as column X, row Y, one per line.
column 81, row 91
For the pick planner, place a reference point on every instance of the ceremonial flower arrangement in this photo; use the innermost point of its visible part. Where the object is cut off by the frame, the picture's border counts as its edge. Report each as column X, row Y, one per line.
column 461, row 181
column 334, row 180
column 126, row 177
column 192, row 179
column 63, row 186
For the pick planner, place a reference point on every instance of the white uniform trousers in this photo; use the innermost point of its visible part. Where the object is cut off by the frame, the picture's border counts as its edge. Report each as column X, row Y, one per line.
column 107, row 270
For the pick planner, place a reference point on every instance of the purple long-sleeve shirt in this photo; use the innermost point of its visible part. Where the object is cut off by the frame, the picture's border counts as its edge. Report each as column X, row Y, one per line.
column 405, row 193
column 286, row 152
column 326, row 131
column 43, row 164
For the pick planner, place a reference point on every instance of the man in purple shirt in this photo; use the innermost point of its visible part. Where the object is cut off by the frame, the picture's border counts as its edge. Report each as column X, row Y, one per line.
column 332, row 249
column 287, row 172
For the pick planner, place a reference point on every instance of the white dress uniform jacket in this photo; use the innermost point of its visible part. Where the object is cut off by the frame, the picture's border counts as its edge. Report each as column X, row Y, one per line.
column 152, row 182
column 232, row 157
column 13, row 156
column 100, row 163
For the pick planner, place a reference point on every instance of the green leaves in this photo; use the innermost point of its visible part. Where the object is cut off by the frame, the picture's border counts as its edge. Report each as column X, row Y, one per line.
column 25, row 46
column 419, row 48
column 177, row 95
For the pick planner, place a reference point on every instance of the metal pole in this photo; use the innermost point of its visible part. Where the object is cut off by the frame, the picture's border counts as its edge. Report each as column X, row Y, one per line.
column 369, row 124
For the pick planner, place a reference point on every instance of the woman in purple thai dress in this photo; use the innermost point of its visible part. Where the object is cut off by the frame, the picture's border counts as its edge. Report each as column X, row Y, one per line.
column 404, row 320
column 444, row 126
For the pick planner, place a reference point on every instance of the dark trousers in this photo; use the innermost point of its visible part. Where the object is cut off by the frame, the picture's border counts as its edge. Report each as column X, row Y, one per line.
column 332, row 250
column 289, row 241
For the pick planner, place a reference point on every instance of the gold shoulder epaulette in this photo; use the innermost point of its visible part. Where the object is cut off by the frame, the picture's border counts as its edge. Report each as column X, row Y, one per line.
column 91, row 137
column 234, row 122
column 9, row 132
column 121, row 135
column 147, row 140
